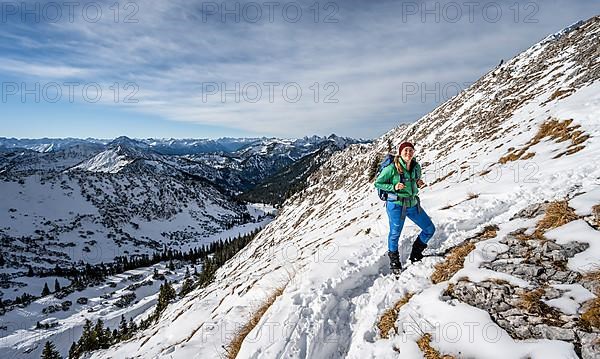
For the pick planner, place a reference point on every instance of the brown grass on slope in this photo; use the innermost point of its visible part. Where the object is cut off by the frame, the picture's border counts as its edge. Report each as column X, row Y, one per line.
column 388, row 319
column 455, row 260
column 556, row 130
column 532, row 302
column 470, row 196
column 489, row 231
column 429, row 352
column 233, row 348
column 591, row 316
column 557, row 214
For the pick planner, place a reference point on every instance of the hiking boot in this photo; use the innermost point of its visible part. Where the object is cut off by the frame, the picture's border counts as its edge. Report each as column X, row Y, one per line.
column 395, row 265
column 417, row 250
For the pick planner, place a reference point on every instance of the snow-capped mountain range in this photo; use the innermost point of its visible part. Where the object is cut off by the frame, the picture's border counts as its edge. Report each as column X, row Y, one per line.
column 315, row 282
column 236, row 164
column 172, row 146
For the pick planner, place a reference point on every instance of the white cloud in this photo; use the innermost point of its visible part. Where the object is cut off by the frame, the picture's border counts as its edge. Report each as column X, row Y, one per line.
column 369, row 54
column 48, row 71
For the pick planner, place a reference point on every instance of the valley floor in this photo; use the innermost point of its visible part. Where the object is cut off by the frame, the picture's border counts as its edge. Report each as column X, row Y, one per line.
column 19, row 337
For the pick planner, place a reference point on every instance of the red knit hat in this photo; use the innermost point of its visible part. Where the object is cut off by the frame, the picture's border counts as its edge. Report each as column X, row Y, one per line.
column 404, row 145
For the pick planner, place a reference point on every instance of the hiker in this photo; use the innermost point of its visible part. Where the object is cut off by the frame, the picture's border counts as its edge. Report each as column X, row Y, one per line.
column 401, row 180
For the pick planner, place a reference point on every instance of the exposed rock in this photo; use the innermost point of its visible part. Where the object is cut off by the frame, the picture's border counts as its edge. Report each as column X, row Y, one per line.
column 590, row 344
column 523, row 312
column 531, row 211
column 554, row 333
column 596, row 214
column 538, row 261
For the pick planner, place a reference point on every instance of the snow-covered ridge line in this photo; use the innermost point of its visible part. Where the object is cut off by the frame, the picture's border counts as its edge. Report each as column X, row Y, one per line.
column 168, row 145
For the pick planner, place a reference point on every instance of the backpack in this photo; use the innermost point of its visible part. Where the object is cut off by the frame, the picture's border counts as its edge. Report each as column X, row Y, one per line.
column 387, row 160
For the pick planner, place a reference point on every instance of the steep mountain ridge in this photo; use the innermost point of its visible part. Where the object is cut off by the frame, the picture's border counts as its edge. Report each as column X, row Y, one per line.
column 524, row 133
column 256, row 162
column 291, row 179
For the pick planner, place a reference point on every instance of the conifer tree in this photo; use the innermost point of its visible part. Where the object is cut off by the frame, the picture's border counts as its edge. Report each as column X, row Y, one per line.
column 123, row 329
column 186, row 287
column 50, row 351
column 102, row 340
column 133, row 327
column 89, row 339
column 46, row 290
column 74, row 351
column 166, row 294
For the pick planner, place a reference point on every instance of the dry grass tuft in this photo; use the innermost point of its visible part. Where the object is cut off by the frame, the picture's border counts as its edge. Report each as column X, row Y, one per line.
column 448, row 206
column 512, row 156
column 489, row 231
column 559, row 131
column 559, row 94
column 455, row 260
column 499, row 281
column 593, row 276
column 591, row 316
column 429, row 352
column 528, row 156
column 556, row 130
column 537, row 235
column 472, row 195
column 234, row 346
column 388, row 319
column 532, row 302
column 449, row 291
column 557, row 214
column 442, row 178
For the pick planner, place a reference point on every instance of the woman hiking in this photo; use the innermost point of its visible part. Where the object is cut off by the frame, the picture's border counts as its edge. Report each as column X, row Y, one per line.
column 402, row 180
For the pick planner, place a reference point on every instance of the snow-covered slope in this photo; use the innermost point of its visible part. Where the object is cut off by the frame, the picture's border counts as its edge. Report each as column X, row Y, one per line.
column 327, row 248
column 109, row 161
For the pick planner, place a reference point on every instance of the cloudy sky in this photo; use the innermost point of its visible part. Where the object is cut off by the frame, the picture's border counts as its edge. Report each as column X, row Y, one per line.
column 183, row 68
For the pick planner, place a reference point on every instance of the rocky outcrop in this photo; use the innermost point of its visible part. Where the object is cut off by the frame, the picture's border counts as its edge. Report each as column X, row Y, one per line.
column 524, row 312
column 537, row 261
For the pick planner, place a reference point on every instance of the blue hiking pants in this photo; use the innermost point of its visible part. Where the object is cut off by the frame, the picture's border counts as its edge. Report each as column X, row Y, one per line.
column 420, row 218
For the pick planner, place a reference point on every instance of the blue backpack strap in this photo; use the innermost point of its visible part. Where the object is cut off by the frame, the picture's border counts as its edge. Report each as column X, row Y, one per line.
column 387, row 160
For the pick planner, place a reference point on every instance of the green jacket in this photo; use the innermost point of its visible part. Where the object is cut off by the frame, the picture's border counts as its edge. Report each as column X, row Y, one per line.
column 389, row 177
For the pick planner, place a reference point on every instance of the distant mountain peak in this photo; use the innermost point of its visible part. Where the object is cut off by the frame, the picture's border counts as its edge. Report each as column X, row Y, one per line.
column 128, row 142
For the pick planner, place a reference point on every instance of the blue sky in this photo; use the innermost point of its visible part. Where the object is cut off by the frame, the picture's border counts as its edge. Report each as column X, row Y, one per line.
column 362, row 67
